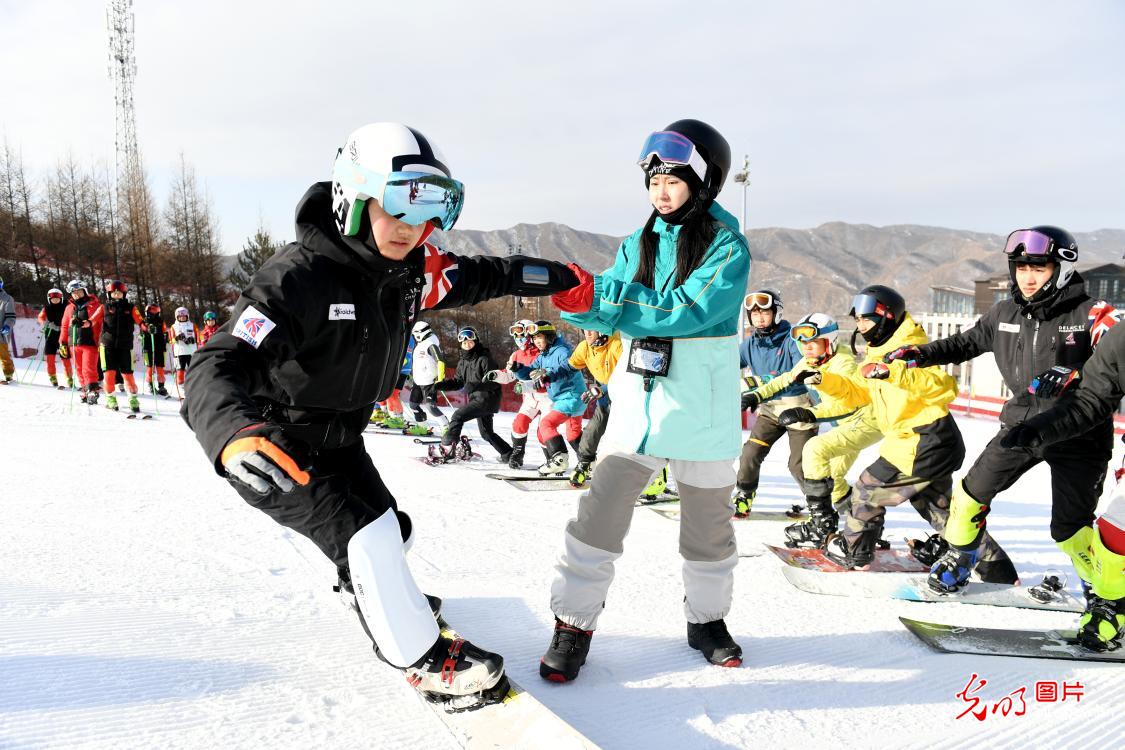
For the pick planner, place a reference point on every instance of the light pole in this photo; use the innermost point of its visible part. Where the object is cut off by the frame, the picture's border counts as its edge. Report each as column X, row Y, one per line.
column 743, row 178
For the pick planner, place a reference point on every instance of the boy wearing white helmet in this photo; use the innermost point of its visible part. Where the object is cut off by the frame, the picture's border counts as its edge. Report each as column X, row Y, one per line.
column 184, row 337
column 50, row 317
column 280, row 396
column 426, row 370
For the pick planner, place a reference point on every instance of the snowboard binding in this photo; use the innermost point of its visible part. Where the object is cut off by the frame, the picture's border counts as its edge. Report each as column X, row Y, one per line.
column 1048, row 591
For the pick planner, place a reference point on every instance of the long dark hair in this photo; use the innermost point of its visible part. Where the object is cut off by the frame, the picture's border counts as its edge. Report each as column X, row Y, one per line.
column 696, row 235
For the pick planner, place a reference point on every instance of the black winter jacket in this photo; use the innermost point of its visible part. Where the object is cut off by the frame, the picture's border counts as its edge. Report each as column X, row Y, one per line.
column 319, row 334
column 117, row 323
column 470, row 376
column 1027, row 341
column 1095, row 399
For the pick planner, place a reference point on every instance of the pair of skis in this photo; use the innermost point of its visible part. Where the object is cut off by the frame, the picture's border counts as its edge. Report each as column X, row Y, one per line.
column 811, row 571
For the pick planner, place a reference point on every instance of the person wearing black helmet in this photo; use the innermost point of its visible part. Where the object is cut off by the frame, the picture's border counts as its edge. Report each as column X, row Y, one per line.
column 482, row 404
column 921, row 446
column 281, row 395
column 115, row 348
column 7, row 323
column 50, row 317
column 769, row 352
column 1041, row 337
column 675, row 293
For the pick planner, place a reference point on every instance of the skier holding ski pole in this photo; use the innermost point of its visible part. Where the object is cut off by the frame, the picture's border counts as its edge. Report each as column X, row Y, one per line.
column 51, row 317
column 280, row 399
column 675, row 293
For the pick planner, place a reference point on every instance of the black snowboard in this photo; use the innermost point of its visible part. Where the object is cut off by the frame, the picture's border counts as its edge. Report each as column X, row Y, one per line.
column 1034, row 644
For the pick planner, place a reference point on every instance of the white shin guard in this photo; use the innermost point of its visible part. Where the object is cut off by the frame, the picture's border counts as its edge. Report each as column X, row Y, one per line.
column 392, row 605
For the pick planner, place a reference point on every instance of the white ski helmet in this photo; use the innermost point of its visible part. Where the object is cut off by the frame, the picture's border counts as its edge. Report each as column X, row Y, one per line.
column 817, row 326
column 393, row 164
column 421, row 330
column 54, row 292
column 182, row 311
column 74, row 285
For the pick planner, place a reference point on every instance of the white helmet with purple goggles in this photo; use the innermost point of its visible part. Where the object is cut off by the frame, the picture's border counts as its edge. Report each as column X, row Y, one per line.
column 397, row 166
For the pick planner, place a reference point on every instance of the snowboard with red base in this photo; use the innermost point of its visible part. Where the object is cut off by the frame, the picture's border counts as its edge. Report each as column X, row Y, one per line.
column 886, row 561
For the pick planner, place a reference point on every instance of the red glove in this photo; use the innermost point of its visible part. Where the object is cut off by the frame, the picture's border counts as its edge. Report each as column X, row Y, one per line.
column 577, row 299
column 875, row 371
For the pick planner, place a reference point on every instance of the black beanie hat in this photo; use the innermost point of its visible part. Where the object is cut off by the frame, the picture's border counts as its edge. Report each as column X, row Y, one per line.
column 681, row 171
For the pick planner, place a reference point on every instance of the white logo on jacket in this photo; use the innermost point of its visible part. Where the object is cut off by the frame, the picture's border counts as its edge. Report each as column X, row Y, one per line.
column 253, row 326
column 1010, row 327
column 341, row 311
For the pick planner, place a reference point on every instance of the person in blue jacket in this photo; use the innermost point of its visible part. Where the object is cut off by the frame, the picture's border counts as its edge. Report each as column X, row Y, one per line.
column 768, row 352
column 565, row 387
column 675, row 293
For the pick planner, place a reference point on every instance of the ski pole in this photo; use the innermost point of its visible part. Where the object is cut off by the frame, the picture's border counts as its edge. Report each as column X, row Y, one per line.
column 151, row 364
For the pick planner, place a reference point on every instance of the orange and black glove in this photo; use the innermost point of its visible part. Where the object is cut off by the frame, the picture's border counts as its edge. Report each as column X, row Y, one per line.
column 265, row 459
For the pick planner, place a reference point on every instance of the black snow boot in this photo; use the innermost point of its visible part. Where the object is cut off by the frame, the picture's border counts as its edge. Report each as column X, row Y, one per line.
column 567, row 653
column 823, row 521
column 929, row 550
column 515, row 460
column 860, row 553
column 713, row 639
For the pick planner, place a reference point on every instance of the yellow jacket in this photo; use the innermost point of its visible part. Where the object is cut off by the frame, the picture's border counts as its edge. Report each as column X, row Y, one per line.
column 599, row 360
column 911, row 407
column 841, row 363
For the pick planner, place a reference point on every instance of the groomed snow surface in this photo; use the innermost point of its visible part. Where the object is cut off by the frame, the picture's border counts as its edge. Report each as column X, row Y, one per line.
column 143, row 604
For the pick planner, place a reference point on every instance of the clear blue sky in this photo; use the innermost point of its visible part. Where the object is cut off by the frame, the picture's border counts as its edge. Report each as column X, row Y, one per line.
column 981, row 116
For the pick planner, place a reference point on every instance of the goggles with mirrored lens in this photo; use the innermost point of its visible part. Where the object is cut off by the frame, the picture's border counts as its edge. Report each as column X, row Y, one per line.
column 672, row 148
column 535, row 328
column 867, row 306
column 517, row 330
column 53, row 297
column 762, row 300
column 412, row 197
column 1035, row 244
column 809, row 332
column 466, row 334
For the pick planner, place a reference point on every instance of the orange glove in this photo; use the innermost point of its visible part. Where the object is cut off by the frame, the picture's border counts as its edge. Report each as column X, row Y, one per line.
column 261, row 457
column 577, row 299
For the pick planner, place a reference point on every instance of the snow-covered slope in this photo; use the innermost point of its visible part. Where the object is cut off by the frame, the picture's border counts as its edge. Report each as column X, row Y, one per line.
column 143, row 604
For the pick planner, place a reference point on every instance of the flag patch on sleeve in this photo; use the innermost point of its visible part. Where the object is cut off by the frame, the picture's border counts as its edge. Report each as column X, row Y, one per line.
column 253, row 326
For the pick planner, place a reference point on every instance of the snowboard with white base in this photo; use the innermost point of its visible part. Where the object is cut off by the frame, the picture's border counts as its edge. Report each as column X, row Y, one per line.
column 1033, row 644
column 913, row 587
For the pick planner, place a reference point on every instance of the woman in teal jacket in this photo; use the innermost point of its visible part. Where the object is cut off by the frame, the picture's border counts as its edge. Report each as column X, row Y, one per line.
column 675, row 293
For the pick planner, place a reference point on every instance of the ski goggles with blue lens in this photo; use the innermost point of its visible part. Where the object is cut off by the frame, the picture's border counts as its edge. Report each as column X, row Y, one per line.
column 466, row 334
column 810, row 332
column 412, row 197
column 672, row 148
column 867, row 306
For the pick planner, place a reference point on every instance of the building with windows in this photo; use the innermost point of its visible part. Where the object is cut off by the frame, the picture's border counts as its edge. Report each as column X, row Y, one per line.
column 952, row 300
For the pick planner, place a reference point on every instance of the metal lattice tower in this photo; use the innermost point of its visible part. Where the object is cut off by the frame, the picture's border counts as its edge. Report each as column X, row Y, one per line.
column 123, row 71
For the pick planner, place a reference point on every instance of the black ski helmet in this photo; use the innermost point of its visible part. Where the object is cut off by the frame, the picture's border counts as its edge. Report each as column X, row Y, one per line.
column 1063, row 252
column 714, row 149
column 883, row 305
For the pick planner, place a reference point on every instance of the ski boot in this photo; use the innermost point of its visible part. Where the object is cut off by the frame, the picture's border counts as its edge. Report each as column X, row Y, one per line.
column 379, row 415
column 929, row 550
column 860, row 553
column 581, row 474
column 463, row 449
column 1102, row 625
column 743, row 503
column 823, row 520
column 566, row 654
column 111, row 401
column 418, row 430
column 656, row 487
column 558, row 460
column 459, row 675
column 54, row 380
column 951, row 572
column 70, row 382
column 393, row 422
column 134, row 403
column 162, row 391
column 713, row 639
column 441, row 454
column 519, row 445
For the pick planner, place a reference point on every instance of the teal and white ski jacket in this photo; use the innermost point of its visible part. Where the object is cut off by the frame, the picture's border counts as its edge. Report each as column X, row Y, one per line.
column 692, row 414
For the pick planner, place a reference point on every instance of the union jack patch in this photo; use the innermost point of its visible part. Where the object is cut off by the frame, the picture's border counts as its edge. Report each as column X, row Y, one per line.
column 441, row 272
column 253, row 326
column 1103, row 316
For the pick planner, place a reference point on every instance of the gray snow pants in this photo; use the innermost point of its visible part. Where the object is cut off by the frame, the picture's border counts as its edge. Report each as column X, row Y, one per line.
column 594, row 539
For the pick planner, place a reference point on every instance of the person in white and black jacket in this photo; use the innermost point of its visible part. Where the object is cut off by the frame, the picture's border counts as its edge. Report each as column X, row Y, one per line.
column 280, row 396
column 1041, row 338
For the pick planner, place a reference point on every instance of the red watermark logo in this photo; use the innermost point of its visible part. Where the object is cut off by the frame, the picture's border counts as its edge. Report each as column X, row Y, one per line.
column 1015, row 702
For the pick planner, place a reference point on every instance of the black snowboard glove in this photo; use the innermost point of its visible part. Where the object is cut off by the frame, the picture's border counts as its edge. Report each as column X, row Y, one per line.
column 751, row 400
column 1023, row 436
column 795, row 415
column 1053, row 382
